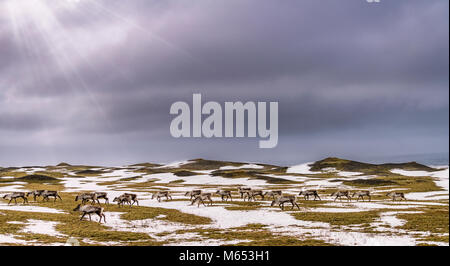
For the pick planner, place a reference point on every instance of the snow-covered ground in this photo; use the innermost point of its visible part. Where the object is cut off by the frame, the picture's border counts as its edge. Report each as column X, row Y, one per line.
column 277, row 221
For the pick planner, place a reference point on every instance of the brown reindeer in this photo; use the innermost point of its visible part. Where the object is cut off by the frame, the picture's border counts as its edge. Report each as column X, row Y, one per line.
column 89, row 209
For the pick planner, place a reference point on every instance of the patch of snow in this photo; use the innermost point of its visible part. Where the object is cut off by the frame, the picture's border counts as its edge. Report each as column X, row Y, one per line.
column 28, row 208
column 301, row 169
column 41, row 227
column 245, row 166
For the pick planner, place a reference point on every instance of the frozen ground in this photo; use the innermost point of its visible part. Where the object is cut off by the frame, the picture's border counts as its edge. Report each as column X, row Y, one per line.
column 227, row 216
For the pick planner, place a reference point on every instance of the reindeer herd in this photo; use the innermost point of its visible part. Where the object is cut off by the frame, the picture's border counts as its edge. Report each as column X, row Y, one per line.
column 195, row 196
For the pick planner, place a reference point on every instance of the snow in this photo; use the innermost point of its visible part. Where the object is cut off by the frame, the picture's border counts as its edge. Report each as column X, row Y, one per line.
column 300, row 169
column 245, row 166
column 28, row 208
column 174, row 164
column 41, row 227
column 9, row 239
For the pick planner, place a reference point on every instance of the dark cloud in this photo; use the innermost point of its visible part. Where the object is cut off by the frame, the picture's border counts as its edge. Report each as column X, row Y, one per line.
column 98, row 78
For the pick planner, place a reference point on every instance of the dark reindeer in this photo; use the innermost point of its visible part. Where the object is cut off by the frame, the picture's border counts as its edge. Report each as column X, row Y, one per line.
column 201, row 199
column 273, row 194
column 395, row 195
column 308, row 193
column 362, row 194
column 50, row 193
column 192, row 194
column 251, row 194
column 280, row 201
column 101, row 195
column 89, row 209
column 224, row 194
column 133, row 198
column 243, row 190
column 122, row 199
column 160, row 194
column 14, row 196
column 35, row 193
column 341, row 193
column 85, row 197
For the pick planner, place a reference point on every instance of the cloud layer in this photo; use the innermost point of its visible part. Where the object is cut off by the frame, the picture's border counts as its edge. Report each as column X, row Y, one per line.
column 92, row 81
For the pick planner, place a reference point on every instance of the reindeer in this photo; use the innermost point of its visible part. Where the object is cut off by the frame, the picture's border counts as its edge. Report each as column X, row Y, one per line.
column 123, row 199
column 133, row 198
column 35, row 193
column 281, row 200
column 101, row 195
column 89, row 209
column 15, row 195
column 341, row 193
column 243, row 190
column 86, row 197
column 224, row 194
column 361, row 194
column 273, row 194
column 192, row 194
column 251, row 194
column 50, row 193
column 201, row 199
column 160, row 194
column 394, row 195
column 307, row 193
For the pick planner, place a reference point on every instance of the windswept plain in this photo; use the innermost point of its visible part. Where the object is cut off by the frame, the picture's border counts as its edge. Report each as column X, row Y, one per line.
column 421, row 219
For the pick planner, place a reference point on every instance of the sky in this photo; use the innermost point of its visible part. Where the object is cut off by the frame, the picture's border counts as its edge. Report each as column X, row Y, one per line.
column 92, row 81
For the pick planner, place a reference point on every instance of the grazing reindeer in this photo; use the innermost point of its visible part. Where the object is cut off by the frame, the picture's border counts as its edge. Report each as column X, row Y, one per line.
column 281, row 200
column 89, row 209
column 160, row 194
column 273, row 194
column 251, row 194
column 395, row 195
column 192, row 194
column 101, row 195
column 341, row 193
column 15, row 195
column 50, row 193
column 307, row 193
column 133, row 198
column 361, row 194
column 85, row 197
column 243, row 190
column 123, row 199
column 224, row 194
column 201, row 199
column 35, row 193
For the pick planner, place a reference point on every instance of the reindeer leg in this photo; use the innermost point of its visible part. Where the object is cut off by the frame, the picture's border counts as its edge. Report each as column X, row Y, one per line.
column 82, row 216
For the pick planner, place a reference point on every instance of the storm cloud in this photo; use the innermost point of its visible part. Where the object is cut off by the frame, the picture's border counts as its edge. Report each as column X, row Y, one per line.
column 92, row 81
